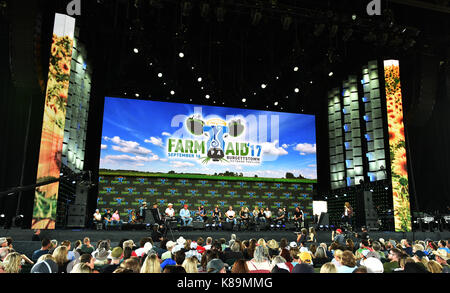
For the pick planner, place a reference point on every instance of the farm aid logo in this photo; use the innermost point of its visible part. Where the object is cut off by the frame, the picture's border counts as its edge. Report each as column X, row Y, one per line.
column 217, row 141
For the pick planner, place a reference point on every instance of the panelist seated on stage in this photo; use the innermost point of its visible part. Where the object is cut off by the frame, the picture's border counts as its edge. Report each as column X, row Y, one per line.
column 142, row 211
column 268, row 215
column 132, row 218
column 97, row 217
column 115, row 219
column 185, row 216
column 200, row 214
column 281, row 216
column 255, row 215
column 231, row 215
column 298, row 217
column 244, row 214
column 159, row 218
column 170, row 213
column 107, row 218
column 217, row 215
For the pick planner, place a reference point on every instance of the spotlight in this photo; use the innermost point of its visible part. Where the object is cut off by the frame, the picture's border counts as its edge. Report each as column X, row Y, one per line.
column 207, row 96
column 18, row 220
column 331, row 74
column 199, row 79
column 297, row 90
column 263, row 86
column 244, row 100
column 181, row 55
column 296, row 68
column 160, row 75
column 136, row 50
column 73, row 182
column 172, row 93
column 277, row 78
column 354, row 16
column 276, row 103
column 137, row 95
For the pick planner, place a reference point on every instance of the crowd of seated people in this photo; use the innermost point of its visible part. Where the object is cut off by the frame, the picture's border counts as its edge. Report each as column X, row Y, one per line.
column 229, row 256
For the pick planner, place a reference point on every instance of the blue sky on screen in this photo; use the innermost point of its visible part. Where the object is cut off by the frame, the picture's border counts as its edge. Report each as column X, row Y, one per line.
column 135, row 134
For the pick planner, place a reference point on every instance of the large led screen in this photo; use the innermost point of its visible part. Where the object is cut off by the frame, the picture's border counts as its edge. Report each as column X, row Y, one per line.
column 161, row 138
column 55, row 108
column 397, row 144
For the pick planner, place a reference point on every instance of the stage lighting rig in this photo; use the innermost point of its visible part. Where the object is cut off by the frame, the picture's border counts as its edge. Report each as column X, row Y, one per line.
column 286, row 21
column 186, row 7
column 256, row 17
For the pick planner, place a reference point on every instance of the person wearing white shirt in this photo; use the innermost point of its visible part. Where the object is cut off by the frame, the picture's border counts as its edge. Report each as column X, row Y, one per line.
column 170, row 212
column 185, row 215
column 231, row 215
column 268, row 215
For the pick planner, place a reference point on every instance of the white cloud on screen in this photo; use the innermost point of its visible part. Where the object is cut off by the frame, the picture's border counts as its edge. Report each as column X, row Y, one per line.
column 271, row 148
column 155, row 141
column 124, row 146
column 305, row 148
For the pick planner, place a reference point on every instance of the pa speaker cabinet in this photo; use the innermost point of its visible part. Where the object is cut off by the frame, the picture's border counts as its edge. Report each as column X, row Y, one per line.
column 370, row 214
column 75, row 221
column 198, row 225
column 227, row 226
column 77, row 210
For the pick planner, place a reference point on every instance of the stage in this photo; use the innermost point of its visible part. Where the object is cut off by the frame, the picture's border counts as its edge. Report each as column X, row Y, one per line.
column 22, row 237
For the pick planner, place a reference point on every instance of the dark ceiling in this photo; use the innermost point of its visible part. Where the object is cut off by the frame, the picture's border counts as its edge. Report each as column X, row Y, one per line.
column 236, row 46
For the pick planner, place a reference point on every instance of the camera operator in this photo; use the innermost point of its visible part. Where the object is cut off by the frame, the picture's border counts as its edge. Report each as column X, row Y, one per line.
column 364, row 234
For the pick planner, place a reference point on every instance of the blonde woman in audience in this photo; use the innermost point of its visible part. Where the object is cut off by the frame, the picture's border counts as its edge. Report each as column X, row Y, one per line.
column 12, row 263
column 131, row 264
column 151, row 265
column 45, row 257
column 259, row 262
column 328, row 268
column 434, row 267
column 191, row 265
column 337, row 260
column 60, row 256
column 312, row 235
column 81, row 268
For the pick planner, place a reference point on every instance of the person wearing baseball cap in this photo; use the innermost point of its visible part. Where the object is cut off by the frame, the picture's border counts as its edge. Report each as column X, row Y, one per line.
column 305, row 257
column 338, row 237
column 185, row 215
column 216, row 266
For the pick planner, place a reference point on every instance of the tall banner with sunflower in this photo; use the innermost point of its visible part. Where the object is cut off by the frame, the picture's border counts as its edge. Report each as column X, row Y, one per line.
column 46, row 196
column 397, row 145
